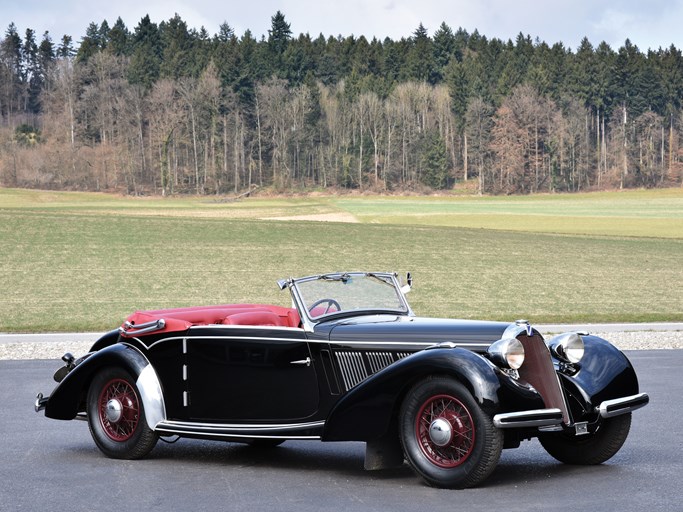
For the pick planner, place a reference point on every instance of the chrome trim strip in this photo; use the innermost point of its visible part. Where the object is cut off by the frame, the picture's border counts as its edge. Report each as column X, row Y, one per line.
column 186, row 339
column 619, row 406
column 234, row 429
column 532, row 418
column 165, row 430
column 348, row 344
column 228, row 326
column 387, row 345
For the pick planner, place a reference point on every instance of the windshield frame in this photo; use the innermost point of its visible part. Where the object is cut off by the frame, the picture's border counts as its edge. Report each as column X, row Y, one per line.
column 309, row 321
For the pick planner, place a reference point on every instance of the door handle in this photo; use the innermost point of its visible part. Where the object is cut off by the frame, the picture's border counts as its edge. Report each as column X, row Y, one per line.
column 302, row 362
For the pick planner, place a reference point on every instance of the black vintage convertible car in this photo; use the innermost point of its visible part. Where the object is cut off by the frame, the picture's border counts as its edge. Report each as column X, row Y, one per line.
column 351, row 362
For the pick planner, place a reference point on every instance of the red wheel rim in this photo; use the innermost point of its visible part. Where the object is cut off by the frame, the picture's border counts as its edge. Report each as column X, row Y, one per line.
column 119, row 410
column 454, row 439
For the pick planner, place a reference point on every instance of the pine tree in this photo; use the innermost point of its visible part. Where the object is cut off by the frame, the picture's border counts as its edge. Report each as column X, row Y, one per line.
column 279, row 36
column 444, row 49
column 66, row 48
column 33, row 78
column 90, row 44
column 13, row 69
column 226, row 55
column 176, row 43
column 145, row 62
column 299, row 60
column 420, row 64
column 434, row 161
column 630, row 81
column 671, row 70
column 119, row 39
column 46, row 54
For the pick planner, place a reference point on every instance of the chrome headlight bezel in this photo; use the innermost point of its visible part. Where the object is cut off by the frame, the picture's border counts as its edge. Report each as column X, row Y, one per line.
column 507, row 353
column 568, row 347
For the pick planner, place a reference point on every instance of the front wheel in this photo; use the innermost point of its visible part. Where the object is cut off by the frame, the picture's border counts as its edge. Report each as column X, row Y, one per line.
column 116, row 416
column 447, row 439
column 589, row 449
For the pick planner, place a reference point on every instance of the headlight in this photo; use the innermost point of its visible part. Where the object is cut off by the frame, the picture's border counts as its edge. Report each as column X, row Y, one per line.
column 567, row 347
column 507, row 353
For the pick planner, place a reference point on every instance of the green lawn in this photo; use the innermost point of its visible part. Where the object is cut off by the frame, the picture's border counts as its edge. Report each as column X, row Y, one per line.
column 640, row 213
column 73, row 261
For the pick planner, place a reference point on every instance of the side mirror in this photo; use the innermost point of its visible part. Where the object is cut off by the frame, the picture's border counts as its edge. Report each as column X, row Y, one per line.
column 409, row 283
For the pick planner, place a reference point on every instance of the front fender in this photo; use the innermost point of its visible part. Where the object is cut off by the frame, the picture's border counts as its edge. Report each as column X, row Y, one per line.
column 604, row 373
column 69, row 397
column 366, row 411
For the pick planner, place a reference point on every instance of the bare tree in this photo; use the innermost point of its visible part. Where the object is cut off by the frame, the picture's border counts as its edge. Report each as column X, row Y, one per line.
column 272, row 100
column 478, row 125
column 373, row 111
column 165, row 118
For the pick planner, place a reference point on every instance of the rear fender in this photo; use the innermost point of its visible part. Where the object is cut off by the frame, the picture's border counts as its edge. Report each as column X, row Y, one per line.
column 365, row 412
column 68, row 398
column 106, row 340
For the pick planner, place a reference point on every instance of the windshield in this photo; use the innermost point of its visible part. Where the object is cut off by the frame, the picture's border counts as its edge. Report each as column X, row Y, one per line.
column 333, row 293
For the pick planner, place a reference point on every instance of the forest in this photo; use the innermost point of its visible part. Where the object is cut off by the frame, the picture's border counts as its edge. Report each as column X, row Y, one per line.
column 168, row 109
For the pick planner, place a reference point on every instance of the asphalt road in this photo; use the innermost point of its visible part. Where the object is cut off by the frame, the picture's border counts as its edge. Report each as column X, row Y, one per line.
column 50, row 465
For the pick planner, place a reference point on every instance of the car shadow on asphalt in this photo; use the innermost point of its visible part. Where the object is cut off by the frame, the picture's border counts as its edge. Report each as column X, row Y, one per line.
column 338, row 459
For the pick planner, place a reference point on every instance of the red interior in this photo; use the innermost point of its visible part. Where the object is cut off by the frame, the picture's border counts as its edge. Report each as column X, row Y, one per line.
column 180, row 319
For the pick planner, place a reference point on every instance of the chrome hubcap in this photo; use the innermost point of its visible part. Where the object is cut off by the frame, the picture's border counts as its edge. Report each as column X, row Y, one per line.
column 114, row 410
column 440, row 432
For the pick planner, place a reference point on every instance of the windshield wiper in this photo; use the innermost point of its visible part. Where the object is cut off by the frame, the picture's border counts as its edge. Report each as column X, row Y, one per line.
column 344, row 278
column 381, row 279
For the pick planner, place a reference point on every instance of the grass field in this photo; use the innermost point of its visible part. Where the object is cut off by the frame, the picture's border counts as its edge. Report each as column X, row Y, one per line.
column 72, row 261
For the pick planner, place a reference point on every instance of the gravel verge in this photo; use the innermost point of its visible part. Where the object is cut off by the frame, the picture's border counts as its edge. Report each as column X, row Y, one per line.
column 42, row 350
column 636, row 340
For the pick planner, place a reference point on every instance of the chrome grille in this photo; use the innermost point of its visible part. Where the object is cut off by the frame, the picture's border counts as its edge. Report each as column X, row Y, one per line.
column 539, row 371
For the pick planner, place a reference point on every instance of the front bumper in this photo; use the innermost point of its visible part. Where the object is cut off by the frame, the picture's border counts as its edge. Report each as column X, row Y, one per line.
column 532, row 418
column 619, row 406
column 550, row 417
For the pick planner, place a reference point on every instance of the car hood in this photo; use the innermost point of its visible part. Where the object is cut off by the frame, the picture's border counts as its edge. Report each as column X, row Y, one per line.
column 409, row 329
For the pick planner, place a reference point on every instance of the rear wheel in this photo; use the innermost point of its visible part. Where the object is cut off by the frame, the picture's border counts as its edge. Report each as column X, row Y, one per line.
column 589, row 449
column 116, row 416
column 446, row 437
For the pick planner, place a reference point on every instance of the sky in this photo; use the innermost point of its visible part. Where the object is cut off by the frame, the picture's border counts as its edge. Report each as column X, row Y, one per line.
column 648, row 24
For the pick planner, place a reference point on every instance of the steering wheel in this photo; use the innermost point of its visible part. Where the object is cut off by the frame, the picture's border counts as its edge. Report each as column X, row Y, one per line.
column 329, row 302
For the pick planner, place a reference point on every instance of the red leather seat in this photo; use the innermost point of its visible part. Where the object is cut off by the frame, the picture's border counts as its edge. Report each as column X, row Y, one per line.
column 256, row 318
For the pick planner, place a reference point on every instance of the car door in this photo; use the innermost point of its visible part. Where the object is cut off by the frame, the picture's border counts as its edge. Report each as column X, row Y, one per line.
column 238, row 374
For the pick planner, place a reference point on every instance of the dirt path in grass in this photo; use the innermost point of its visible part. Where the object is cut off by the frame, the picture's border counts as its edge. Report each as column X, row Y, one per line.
column 321, row 217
